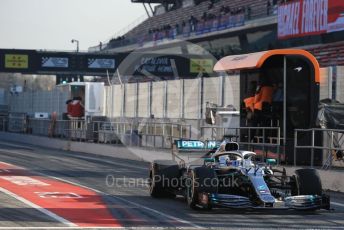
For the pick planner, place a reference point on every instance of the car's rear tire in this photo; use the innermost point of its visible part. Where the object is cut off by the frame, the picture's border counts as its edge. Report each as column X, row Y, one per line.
column 308, row 182
column 162, row 173
column 200, row 181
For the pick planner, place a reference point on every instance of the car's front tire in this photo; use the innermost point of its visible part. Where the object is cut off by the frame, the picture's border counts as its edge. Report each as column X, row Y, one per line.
column 200, row 181
column 308, row 182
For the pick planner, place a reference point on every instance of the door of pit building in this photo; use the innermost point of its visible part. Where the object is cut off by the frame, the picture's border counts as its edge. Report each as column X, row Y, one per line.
column 293, row 77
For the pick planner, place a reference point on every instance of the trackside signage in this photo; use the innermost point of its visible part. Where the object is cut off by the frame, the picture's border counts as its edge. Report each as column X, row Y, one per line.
column 196, row 144
column 310, row 17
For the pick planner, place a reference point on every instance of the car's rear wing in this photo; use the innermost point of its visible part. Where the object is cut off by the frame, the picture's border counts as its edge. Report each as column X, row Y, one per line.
column 183, row 145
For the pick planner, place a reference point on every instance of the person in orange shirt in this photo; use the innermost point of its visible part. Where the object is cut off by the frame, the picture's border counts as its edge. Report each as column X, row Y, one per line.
column 254, row 104
column 264, row 94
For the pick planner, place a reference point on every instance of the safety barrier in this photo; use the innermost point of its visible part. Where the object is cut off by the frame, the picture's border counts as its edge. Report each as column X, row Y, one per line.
column 332, row 145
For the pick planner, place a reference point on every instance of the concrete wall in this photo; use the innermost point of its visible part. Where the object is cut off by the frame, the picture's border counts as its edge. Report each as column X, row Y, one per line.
column 174, row 91
column 191, row 98
column 232, row 91
column 143, row 99
column 158, row 97
column 130, row 100
column 212, row 91
column 117, row 92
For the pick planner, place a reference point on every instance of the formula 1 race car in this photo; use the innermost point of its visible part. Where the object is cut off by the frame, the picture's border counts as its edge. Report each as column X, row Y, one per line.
column 230, row 177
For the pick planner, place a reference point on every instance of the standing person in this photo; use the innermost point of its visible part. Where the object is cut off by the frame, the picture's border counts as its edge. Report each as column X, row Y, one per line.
column 77, row 108
column 77, row 112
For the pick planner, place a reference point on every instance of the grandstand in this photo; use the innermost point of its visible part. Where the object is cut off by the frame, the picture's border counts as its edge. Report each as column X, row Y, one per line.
column 183, row 22
column 258, row 31
column 258, row 8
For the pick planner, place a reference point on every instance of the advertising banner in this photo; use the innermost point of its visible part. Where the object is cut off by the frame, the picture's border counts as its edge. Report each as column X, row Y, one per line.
column 101, row 63
column 201, row 65
column 167, row 66
column 54, row 62
column 16, row 61
column 310, row 17
column 196, row 144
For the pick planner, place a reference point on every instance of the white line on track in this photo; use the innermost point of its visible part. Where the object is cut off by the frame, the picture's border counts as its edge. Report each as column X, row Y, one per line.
column 43, row 210
column 337, row 204
column 11, row 165
column 6, row 163
column 14, row 145
column 71, row 228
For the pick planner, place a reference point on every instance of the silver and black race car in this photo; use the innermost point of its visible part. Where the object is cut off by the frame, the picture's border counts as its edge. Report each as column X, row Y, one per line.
column 231, row 178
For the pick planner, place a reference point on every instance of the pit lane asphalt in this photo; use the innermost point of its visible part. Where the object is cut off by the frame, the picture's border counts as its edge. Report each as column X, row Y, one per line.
column 133, row 207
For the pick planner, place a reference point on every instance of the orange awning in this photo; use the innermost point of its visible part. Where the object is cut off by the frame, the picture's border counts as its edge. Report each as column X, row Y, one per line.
column 256, row 60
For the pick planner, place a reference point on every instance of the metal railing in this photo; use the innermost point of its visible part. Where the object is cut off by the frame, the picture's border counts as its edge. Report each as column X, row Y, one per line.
column 3, row 123
column 333, row 141
column 66, row 129
column 252, row 137
column 148, row 134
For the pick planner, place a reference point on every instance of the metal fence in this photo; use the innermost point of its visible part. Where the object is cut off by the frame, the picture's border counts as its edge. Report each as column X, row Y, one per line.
column 332, row 145
column 147, row 134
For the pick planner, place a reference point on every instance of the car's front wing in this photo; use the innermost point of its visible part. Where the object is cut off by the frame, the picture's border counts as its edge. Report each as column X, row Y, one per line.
column 304, row 202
